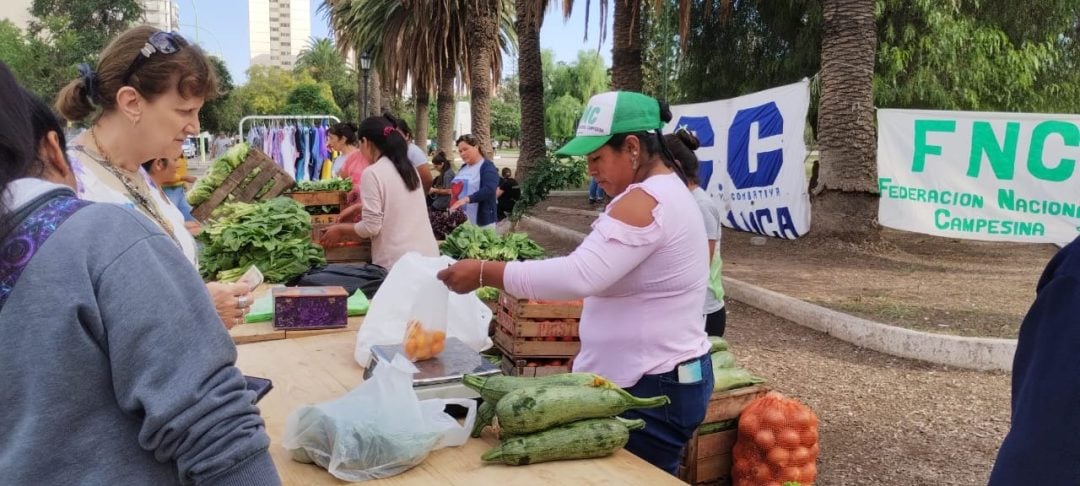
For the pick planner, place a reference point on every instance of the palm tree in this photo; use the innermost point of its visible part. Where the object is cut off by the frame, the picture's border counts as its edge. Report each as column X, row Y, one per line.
column 322, row 59
column 846, row 207
column 626, row 46
column 434, row 34
column 530, row 18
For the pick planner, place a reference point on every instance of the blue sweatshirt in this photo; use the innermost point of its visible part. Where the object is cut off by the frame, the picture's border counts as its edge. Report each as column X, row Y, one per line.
column 116, row 368
column 1043, row 445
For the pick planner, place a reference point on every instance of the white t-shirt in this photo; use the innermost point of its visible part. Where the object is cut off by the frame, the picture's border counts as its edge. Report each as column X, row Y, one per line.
column 465, row 183
column 711, row 215
column 416, row 155
column 93, row 189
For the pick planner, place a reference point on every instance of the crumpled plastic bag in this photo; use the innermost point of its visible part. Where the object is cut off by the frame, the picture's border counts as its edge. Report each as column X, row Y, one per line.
column 379, row 429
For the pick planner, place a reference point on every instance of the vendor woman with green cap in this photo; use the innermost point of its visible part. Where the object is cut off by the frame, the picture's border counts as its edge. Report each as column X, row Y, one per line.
column 642, row 272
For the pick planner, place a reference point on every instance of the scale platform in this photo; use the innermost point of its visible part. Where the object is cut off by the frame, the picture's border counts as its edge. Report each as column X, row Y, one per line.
column 439, row 377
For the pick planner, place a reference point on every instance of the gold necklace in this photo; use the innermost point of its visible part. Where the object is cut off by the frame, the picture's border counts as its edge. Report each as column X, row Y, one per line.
column 133, row 191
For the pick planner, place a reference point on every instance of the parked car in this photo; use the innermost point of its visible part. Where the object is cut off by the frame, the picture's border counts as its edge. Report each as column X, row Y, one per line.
column 190, row 150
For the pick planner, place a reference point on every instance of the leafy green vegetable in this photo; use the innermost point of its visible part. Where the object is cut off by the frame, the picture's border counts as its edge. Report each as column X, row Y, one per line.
column 273, row 235
column 219, row 171
column 469, row 241
column 335, row 184
column 488, row 294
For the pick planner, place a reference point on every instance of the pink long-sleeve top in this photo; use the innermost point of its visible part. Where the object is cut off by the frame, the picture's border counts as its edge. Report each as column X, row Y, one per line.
column 644, row 288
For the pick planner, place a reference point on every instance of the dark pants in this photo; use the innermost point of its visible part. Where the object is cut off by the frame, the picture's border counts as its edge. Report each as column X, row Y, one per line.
column 669, row 428
column 716, row 322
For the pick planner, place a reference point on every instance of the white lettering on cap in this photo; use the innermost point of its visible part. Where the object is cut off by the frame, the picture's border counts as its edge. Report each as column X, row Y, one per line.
column 596, row 120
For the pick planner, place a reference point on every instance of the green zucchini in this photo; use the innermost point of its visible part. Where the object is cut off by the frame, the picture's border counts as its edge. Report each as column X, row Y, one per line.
column 536, row 408
column 484, row 413
column 493, row 388
column 579, row 440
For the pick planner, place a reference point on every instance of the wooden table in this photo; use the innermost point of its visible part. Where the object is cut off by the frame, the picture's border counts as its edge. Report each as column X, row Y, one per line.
column 321, row 368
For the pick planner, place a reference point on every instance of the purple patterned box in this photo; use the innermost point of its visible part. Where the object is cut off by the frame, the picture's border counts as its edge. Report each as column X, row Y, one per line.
column 310, row 307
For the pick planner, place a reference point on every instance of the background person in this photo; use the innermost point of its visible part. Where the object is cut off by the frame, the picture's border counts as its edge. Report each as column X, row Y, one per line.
column 1042, row 446
column 394, row 209
column 95, row 391
column 142, row 102
column 440, row 186
column 682, row 145
column 415, row 153
column 506, row 194
column 163, row 174
column 475, row 183
column 642, row 271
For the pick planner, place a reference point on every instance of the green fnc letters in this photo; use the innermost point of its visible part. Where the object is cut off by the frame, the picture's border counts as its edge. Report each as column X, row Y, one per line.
column 1002, row 154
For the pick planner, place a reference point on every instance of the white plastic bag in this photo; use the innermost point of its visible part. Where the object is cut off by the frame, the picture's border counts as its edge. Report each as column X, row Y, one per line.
column 467, row 317
column 377, row 430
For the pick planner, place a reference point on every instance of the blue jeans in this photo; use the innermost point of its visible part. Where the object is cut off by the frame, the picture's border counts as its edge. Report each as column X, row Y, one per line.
column 595, row 192
column 178, row 198
column 669, row 428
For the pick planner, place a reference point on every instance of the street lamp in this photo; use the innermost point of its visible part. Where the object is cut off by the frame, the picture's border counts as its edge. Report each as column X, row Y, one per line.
column 365, row 65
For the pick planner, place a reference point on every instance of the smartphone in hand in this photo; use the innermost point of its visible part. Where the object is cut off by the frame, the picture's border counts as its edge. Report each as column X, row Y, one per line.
column 261, row 386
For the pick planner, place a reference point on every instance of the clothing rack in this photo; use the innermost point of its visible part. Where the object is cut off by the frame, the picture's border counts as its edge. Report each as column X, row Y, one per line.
column 283, row 117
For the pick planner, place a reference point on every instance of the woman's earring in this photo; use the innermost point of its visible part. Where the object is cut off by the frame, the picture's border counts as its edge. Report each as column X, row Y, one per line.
column 635, row 162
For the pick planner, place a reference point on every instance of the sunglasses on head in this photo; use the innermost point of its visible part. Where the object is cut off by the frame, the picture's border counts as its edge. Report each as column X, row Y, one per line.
column 163, row 42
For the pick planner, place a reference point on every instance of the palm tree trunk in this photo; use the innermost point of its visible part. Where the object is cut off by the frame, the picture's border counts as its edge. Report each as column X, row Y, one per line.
column 389, row 98
column 846, row 208
column 530, row 86
column 445, row 106
column 626, row 50
column 483, row 25
column 420, row 126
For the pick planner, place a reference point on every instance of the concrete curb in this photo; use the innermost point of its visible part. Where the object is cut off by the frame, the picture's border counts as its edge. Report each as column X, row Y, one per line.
column 583, row 194
column 984, row 354
column 574, row 212
column 562, row 232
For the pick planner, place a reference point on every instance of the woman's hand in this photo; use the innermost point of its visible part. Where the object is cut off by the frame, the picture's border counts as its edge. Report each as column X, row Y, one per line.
column 193, row 227
column 462, row 277
column 334, row 235
column 350, row 213
column 459, row 203
column 231, row 301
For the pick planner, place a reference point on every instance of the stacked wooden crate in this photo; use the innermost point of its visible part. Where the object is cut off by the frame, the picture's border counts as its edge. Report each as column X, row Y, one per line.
column 242, row 186
column 707, row 457
column 536, row 338
column 349, row 252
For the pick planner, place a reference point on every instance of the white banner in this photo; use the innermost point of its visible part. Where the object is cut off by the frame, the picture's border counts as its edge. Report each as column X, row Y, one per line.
column 752, row 158
column 979, row 175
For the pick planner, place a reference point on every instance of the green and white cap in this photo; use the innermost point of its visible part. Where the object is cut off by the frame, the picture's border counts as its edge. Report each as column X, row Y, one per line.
column 610, row 114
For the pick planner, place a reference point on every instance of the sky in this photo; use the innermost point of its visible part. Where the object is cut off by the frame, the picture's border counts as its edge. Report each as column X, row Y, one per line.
column 220, row 26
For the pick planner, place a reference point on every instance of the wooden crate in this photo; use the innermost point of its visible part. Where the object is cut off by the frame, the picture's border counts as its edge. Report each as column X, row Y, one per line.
column 522, row 309
column 353, row 253
column 519, row 367
column 320, row 198
column 530, row 328
column 520, row 347
column 707, row 457
column 323, row 219
column 241, row 191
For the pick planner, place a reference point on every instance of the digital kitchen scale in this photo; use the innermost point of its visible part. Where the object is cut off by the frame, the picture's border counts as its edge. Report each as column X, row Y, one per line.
column 439, row 377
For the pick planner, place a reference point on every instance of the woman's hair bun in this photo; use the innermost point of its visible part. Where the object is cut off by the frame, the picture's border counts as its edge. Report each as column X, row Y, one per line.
column 688, row 139
column 665, row 111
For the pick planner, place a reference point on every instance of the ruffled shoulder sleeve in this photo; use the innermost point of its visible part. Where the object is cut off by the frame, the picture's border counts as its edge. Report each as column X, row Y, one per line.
column 611, row 229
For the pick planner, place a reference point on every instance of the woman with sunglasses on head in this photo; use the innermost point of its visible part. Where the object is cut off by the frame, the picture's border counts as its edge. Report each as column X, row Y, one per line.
column 642, row 272
column 394, row 210
column 475, row 184
column 95, row 390
column 143, row 101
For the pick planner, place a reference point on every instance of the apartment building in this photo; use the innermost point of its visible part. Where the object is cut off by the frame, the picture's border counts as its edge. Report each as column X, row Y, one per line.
column 278, row 30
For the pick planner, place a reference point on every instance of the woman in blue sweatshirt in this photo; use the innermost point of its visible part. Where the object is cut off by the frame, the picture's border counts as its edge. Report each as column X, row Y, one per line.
column 100, row 385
